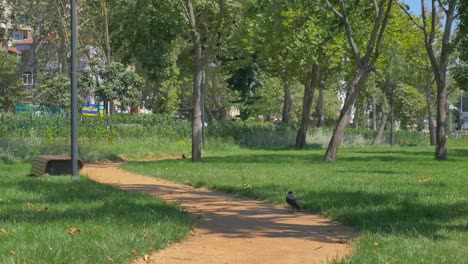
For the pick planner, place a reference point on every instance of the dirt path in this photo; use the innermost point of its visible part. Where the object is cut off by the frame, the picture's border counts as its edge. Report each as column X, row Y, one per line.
column 229, row 229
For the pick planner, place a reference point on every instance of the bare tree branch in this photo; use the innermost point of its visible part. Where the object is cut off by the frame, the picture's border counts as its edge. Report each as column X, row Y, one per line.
column 442, row 7
column 336, row 12
column 376, row 7
column 433, row 22
column 375, row 30
column 349, row 32
column 382, row 31
column 410, row 16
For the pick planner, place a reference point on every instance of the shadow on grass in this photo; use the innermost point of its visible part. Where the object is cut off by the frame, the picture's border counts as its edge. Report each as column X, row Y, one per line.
column 62, row 200
column 388, row 213
column 398, row 211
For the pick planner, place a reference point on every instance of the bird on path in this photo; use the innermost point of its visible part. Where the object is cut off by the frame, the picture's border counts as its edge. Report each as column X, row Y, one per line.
column 183, row 156
column 292, row 201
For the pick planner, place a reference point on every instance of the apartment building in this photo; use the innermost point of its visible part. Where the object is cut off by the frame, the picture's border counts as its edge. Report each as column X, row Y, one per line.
column 16, row 38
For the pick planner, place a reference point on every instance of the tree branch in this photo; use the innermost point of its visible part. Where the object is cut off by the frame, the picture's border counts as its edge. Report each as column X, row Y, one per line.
column 375, row 30
column 409, row 15
column 442, row 7
column 381, row 33
column 376, row 7
column 336, row 12
column 433, row 24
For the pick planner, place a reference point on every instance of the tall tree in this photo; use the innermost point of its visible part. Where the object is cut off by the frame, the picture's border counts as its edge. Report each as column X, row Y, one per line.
column 364, row 62
column 10, row 93
column 439, row 59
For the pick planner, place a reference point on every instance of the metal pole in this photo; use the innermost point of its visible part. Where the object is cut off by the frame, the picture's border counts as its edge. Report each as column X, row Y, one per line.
column 374, row 113
column 203, row 105
column 74, row 90
column 391, row 121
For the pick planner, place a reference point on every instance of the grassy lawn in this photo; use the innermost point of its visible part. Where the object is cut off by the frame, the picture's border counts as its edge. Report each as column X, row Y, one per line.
column 408, row 207
column 59, row 220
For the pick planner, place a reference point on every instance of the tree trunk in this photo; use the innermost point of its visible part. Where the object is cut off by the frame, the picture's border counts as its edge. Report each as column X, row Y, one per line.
column 439, row 66
column 287, row 102
column 429, row 119
column 319, row 106
column 441, row 129
column 383, row 121
column 309, row 89
column 363, row 65
column 357, row 106
column 197, row 79
column 106, row 32
column 354, row 87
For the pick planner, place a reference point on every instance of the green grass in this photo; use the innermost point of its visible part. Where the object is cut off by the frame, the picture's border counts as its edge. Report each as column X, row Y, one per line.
column 36, row 215
column 414, row 207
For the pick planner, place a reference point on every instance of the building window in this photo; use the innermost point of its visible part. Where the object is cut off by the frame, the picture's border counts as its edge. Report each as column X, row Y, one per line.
column 27, row 79
column 24, row 20
column 18, row 35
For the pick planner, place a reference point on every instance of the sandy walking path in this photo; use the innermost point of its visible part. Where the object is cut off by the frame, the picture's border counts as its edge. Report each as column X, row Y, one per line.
column 230, row 229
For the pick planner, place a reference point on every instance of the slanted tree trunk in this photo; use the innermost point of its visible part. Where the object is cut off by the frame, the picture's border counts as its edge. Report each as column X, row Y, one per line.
column 197, row 79
column 364, row 65
column 309, row 89
column 345, row 114
column 383, row 121
column 319, row 106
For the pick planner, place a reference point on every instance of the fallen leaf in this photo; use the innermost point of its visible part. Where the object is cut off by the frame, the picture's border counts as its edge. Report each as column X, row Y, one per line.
column 13, row 253
column 376, row 244
column 187, row 182
column 424, row 179
column 134, row 252
column 110, row 259
column 30, row 205
column 3, row 231
column 146, row 257
column 73, row 230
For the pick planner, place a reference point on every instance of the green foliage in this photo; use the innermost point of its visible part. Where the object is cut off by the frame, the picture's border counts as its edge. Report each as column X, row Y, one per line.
column 113, row 82
column 22, row 137
column 9, row 67
column 55, row 91
column 409, row 105
column 415, row 208
column 38, row 214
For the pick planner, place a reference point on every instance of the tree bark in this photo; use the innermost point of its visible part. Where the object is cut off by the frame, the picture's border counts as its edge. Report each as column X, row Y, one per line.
column 319, row 106
column 427, row 89
column 383, row 121
column 357, row 106
column 106, row 32
column 197, row 79
column 345, row 115
column 309, row 89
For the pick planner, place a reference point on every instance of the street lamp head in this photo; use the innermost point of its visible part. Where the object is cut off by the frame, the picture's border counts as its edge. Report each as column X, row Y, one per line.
column 212, row 65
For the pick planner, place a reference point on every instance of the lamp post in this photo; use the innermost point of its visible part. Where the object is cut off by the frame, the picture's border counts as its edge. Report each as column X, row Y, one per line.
column 391, row 113
column 204, row 81
column 74, row 91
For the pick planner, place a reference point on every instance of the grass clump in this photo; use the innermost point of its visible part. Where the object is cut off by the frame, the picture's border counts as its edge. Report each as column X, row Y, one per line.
column 408, row 207
column 60, row 220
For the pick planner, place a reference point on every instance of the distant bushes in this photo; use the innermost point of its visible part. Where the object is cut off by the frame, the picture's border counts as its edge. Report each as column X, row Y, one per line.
column 144, row 136
column 255, row 134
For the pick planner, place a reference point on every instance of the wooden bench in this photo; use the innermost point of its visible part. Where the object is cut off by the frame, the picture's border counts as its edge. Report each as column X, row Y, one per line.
column 53, row 165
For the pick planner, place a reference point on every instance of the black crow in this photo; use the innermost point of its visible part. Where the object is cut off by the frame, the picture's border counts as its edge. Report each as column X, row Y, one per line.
column 183, row 156
column 292, row 201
